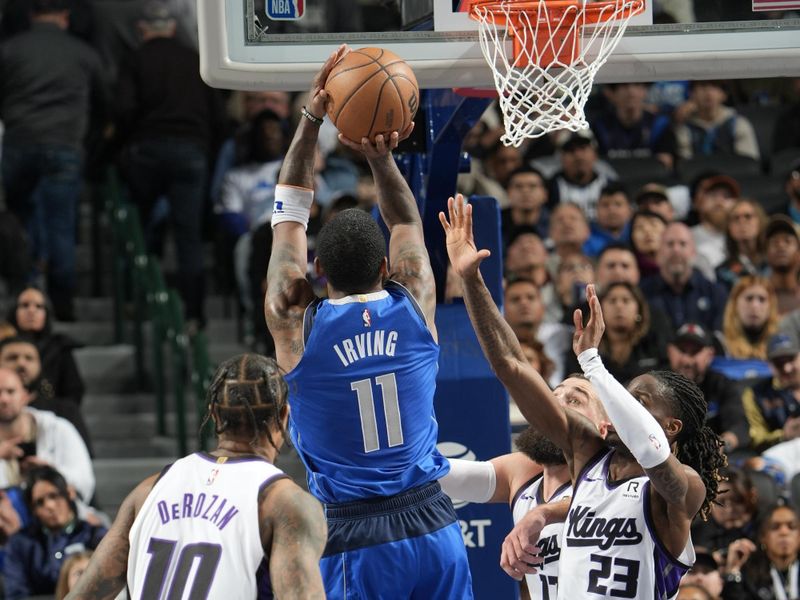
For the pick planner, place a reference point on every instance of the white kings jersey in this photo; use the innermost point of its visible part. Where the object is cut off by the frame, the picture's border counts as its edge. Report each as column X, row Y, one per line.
column 543, row 584
column 610, row 548
column 197, row 533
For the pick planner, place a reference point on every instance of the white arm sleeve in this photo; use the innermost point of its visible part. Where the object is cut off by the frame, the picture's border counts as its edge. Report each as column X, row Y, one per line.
column 636, row 427
column 470, row 480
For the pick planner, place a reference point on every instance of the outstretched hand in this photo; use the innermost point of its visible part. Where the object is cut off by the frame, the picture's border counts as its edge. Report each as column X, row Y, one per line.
column 381, row 145
column 590, row 335
column 519, row 555
column 464, row 256
column 318, row 97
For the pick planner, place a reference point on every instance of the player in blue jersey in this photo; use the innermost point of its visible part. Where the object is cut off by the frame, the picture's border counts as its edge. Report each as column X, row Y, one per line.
column 361, row 367
column 627, row 531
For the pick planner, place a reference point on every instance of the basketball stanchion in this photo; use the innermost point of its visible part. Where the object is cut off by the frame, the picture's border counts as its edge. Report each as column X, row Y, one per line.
column 544, row 56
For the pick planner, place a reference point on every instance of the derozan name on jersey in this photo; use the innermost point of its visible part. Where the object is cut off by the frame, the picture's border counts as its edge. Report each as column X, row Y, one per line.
column 585, row 529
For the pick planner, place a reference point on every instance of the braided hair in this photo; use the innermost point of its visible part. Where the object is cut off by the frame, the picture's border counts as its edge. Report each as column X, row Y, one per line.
column 247, row 395
column 698, row 446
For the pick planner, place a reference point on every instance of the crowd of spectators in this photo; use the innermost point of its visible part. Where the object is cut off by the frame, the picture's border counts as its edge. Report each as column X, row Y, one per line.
column 696, row 265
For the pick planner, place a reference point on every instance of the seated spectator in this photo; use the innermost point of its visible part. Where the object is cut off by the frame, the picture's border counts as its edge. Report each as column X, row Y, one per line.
column 647, row 228
column 34, row 555
column 713, row 201
column 578, row 181
column 680, row 291
column 783, row 258
column 32, row 317
column 772, row 405
column 770, row 570
column 714, row 128
column 526, row 257
column 629, row 347
column 21, row 354
column 71, row 571
column 569, row 232
column 691, row 353
column 750, row 318
column 732, row 515
column 744, row 243
column 524, row 311
column 612, row 225
column 538, row 359
column 527, row 199
column 653, row 197
column 704, row 574
column 627, row 129
column 246, row 105
column 616, row 262
column 790, row 325
column 574, row 272
column 48, row 439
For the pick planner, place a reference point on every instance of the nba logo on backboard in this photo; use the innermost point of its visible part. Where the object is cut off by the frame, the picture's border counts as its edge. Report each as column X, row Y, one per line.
column 285, row 10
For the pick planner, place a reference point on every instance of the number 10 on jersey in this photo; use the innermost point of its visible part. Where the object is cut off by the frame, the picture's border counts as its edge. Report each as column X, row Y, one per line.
column 366, row 411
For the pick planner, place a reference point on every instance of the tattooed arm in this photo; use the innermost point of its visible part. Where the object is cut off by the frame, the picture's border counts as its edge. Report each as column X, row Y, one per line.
column 106, row 574
column 288, row 291
column 570, row 431
column 409, row 263
column 293, row 534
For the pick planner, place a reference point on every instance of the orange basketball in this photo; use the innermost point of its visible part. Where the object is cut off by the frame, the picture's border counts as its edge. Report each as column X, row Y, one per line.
column 371, row 91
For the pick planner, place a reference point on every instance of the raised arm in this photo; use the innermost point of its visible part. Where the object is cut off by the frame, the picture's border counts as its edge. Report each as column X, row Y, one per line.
column 288, row 290
column 502, row 349
column 679, row 486
column 106, row 574
column 409, row 263
column 293, row 533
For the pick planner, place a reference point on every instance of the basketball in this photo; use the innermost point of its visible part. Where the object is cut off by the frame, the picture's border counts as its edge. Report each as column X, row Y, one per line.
column 371, row 91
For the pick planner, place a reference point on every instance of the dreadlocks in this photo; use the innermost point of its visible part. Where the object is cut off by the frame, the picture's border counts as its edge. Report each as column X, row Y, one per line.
column 247, row 394
column 698, row 446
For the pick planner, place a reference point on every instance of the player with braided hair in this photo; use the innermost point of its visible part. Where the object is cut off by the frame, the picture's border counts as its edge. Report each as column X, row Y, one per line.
column 627, row 533
column 224, row 524
column 697, row 445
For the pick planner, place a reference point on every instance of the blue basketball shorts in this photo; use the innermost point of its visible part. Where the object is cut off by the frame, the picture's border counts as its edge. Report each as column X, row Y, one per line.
column 405, row 546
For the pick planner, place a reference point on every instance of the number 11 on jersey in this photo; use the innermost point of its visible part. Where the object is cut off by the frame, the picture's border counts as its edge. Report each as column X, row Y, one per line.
column 366, row 411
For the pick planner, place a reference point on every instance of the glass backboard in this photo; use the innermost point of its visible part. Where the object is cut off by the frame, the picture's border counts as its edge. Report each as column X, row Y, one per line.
column 279, row 44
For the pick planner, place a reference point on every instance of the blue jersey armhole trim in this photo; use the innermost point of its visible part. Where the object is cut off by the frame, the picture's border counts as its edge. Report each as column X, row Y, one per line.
column 394, row 285
column 308, row 319
column 522, row 488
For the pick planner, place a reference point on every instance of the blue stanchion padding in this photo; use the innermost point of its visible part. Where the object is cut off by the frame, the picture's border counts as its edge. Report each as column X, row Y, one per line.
column 472, row 410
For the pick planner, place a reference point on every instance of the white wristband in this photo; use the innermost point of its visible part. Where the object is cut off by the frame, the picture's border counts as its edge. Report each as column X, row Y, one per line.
column 636, row 427
column 292, row 204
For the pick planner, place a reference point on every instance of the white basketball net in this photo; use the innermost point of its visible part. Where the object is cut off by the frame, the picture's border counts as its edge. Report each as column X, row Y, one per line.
column 538, row 92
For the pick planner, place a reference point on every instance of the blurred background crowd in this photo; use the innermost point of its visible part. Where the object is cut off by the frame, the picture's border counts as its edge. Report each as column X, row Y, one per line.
column 681, row 203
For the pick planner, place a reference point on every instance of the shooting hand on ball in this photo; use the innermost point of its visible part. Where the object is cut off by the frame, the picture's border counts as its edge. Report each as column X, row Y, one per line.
column 317, row 96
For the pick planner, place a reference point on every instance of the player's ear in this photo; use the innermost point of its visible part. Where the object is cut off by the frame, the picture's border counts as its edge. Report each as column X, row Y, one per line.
column 674, row 427
column 318, row 270
column 384, row 268
column 602, row 428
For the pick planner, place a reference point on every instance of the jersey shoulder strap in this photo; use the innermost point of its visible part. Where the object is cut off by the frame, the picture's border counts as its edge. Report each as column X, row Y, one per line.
column 399, row 288
column 308, row 318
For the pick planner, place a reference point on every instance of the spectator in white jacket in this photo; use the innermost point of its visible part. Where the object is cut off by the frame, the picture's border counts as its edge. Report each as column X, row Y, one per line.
column 30, row 437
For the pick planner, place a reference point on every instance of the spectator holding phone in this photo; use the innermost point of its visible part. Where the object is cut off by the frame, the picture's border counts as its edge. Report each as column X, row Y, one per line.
column 34, row 555
column 47, row 439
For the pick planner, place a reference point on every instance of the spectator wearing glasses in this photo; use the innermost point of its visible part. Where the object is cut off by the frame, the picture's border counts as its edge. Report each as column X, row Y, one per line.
column 744, row 243
column 34, row 555
column 32, row 317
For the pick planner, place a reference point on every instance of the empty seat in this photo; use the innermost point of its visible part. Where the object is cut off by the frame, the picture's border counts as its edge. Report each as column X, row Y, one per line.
column 729, row 164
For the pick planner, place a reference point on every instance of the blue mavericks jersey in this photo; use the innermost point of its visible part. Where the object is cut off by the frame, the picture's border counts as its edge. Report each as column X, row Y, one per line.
column 361, row 398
